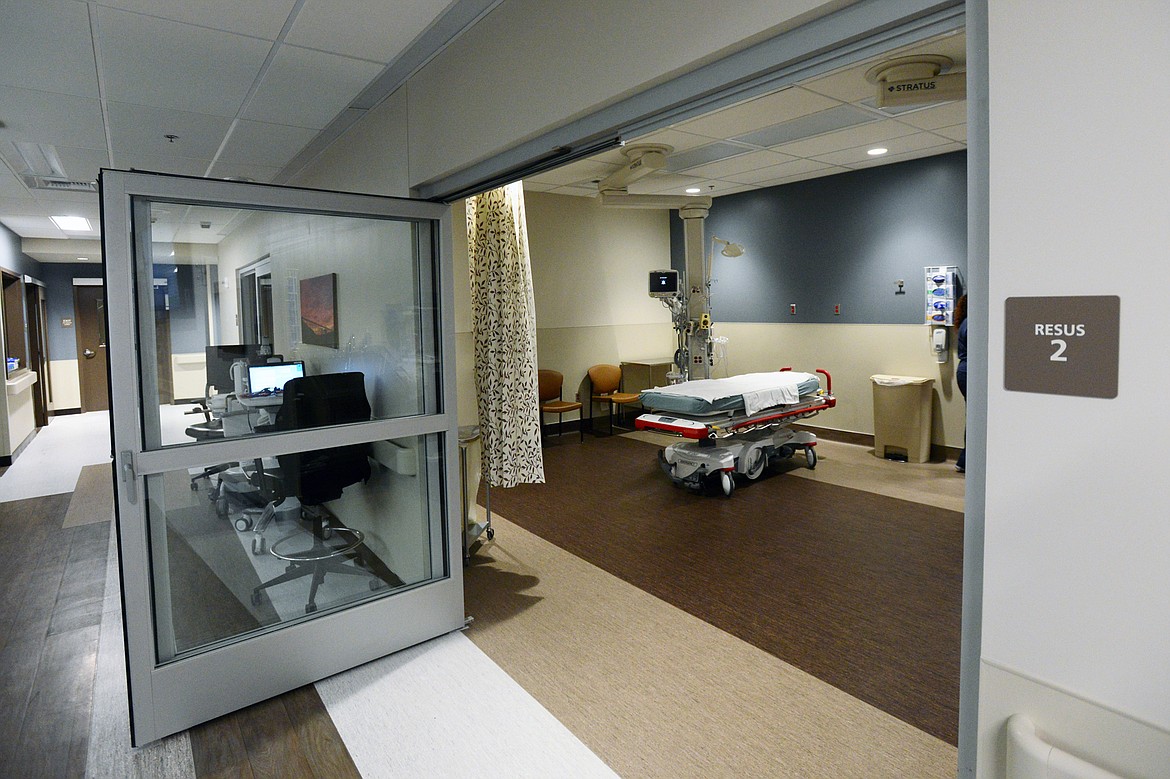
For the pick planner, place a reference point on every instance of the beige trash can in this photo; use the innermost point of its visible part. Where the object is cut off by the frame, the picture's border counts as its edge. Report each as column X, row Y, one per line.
column 901, row 417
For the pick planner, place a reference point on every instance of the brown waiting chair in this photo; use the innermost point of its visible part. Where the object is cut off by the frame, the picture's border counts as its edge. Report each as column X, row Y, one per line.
column 551, row 403
column 606, row 382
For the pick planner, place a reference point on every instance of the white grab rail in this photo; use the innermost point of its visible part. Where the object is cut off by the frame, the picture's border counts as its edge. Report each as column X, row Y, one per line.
column 1030, row 757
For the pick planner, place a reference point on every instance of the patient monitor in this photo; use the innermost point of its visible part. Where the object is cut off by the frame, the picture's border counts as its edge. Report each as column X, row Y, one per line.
column 663, row 283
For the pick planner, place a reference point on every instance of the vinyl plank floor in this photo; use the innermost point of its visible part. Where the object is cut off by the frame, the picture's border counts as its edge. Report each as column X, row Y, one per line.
column 51, row 624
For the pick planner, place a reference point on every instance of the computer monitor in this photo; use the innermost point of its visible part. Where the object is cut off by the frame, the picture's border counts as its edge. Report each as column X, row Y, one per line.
column 271, row 377
column 663, row 283
column 219, row 360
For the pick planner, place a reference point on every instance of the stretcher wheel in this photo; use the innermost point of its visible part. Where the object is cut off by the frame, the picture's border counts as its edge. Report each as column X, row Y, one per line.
column 810, row 454
column 757, row 459
column 664, row 465
column 258, row 546
column 242, row 523
column 726, row 483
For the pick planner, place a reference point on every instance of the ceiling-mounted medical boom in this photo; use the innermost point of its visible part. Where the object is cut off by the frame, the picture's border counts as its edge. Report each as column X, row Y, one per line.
column 692, row 313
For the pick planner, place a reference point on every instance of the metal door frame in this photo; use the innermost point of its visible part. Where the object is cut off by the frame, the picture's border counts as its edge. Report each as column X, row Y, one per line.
column 167, row 698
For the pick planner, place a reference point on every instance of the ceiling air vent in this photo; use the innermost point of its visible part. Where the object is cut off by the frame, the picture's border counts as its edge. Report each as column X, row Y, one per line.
column 59, row 185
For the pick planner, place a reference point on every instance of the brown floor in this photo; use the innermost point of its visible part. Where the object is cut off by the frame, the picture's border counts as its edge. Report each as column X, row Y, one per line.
column 50, row 616
column 861, row 590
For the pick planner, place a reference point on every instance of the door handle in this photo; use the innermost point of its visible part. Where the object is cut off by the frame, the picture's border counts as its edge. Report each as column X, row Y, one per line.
column 89, row 354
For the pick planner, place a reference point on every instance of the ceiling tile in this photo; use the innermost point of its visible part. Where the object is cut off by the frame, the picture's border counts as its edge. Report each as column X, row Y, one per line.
column 139, row 130
column 806, row 126
column 83, row 164
column 167, row 64
column 943, row 148
column 847, row 85
column 79, row 203
column 537, row 186
column 31, row 226
column 777, row 171
column 373, row 29
column 11, row 186
column 945, row 115
column 46, row 48
column 851, row 137
column 728, row 167
column 761, row 112
column 704, row 154
column 710, row 188
column 19, row 206
column 57, row 120
column 306, row 88
column 956, row 132
column 259, row 18
column 896, row 146
column 828, row 170
column 260, row 143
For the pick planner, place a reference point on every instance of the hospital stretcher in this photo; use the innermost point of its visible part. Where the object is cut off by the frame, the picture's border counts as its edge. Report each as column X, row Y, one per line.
column 735, row 433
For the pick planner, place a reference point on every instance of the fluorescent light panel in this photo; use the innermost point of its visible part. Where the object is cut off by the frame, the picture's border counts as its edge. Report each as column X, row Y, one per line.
column 72, row 224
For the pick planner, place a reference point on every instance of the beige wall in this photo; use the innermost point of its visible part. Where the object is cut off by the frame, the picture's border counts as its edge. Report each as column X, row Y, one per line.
column 20, row 416
column 851, row 354
column 66, row 385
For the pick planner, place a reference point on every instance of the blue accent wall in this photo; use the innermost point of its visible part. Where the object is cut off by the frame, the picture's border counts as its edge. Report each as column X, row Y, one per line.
column 843, row 239
column 12, row 258
column 58, row 278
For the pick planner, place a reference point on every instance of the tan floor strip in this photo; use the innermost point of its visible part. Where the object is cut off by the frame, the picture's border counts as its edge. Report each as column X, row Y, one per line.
column 93, row 497
column 655, row 692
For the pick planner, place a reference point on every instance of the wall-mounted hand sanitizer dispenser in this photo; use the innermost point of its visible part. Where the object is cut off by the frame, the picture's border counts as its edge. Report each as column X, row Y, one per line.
column 938, row 341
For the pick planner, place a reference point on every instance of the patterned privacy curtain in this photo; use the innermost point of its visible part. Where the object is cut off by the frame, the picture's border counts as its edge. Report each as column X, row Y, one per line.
column 504, row 327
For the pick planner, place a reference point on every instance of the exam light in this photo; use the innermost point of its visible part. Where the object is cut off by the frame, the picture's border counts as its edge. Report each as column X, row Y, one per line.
column 729, row 249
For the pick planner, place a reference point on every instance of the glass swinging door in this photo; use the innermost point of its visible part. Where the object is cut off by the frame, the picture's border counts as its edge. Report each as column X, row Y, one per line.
column 298, row 522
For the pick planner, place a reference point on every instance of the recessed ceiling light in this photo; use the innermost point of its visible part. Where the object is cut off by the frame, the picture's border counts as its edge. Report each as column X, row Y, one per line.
column 83, row 259
column 73, row 224
column 877, row 152
column 693, row 190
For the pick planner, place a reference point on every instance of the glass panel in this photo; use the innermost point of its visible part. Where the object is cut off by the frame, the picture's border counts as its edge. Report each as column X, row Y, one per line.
column 237, row 547
column 337, row 294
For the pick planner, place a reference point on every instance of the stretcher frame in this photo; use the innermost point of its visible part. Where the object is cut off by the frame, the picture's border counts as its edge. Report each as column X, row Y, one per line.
column 724, row 444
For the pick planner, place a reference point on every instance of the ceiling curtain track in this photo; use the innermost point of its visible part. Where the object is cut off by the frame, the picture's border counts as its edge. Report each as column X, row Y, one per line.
column 503, row 325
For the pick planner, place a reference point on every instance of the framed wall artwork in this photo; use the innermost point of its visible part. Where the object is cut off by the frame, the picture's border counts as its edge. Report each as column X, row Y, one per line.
column 319, row 310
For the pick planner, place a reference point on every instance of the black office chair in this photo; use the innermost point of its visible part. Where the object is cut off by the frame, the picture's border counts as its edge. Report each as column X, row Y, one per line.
column 207, row 430
column 318, row 476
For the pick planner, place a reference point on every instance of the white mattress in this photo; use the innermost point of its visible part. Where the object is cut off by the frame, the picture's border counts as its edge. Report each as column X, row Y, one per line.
column 757, row 390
